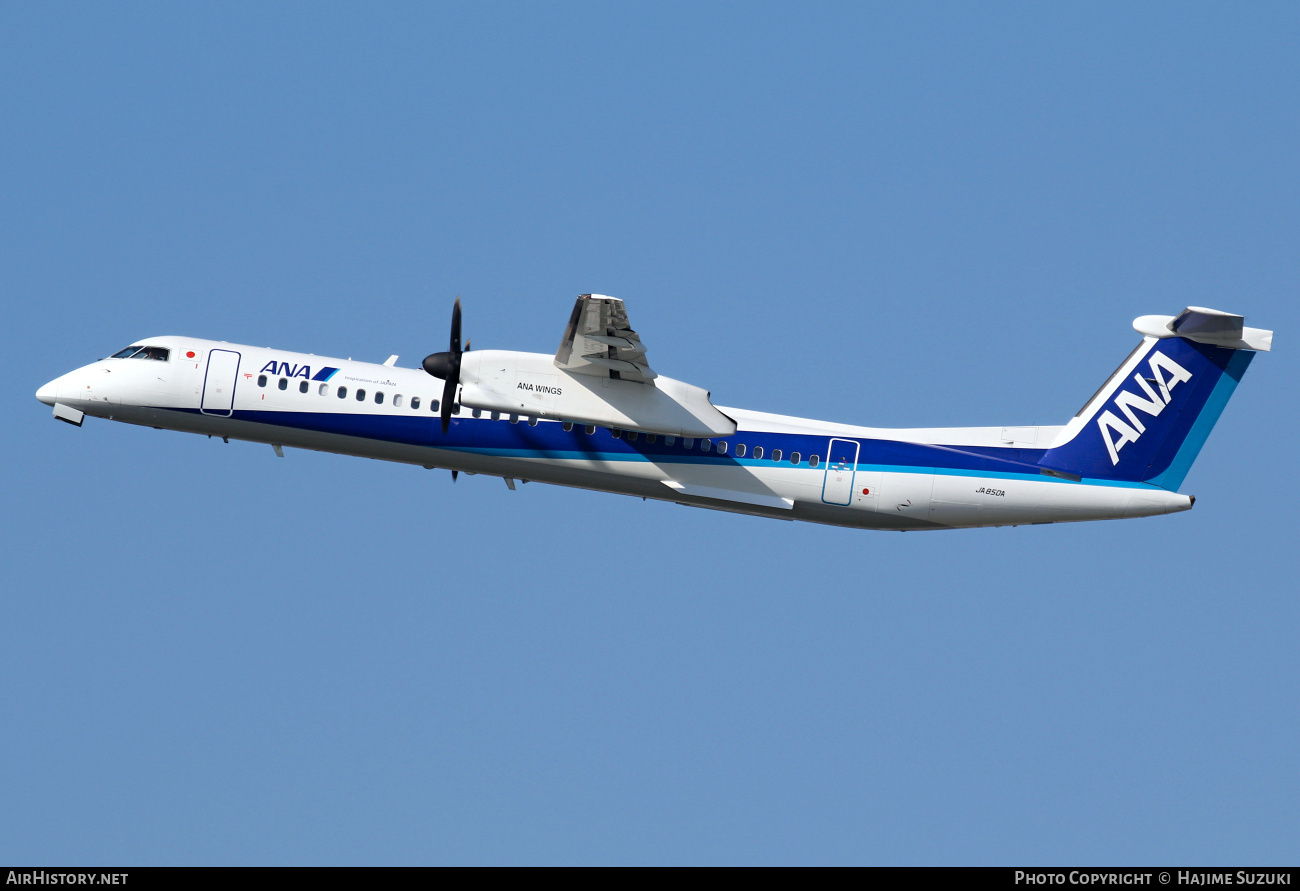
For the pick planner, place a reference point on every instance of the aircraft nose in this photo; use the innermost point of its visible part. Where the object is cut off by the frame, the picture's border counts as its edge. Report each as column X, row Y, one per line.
column 47, row 393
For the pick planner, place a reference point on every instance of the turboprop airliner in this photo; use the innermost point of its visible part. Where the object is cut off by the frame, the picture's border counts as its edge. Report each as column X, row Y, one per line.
column 596, row 416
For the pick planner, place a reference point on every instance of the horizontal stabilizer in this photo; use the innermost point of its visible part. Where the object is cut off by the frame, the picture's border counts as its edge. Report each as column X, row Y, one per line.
column 1210, row 326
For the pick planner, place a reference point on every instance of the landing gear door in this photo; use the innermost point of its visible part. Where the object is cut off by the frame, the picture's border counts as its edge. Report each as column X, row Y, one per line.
column 219, row 383
column 841, row 465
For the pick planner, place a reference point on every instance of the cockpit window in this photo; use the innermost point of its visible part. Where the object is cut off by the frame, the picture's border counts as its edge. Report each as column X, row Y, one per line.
column 161, row 354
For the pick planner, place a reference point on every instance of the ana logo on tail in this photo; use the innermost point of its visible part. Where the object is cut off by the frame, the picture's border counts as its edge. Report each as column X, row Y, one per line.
column 1154, row 403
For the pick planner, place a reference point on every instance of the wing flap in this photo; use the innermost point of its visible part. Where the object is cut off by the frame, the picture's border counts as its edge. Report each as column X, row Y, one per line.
column 599, row 341
column 717, row 494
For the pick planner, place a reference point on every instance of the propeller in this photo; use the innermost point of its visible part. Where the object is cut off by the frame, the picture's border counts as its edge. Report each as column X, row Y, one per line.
column 446, row 367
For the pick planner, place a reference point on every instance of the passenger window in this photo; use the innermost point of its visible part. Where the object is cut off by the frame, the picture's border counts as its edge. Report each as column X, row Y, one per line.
column 568, row 425
column 705, row 445
column 794, row 457
column 415, row 402
column 589, row 429
column 261, row 380
column 722, row 448
column 343, row 392
column 514, row 419
column 669, row 440
column 379, row 397
column 776, row 454
column 632, row 437
column 740, row 450
column 284, row 383
column 758, row 451
column 650, row 437
column 813, row 460
column 361, row 395
column 477, row 413
column 496, row 415
column 435, row 404
column 615, row 432
column 324, row 389
column 302, row 386
column 532, row 422
column 688, row 443
column 455, row 408
column 397, row 401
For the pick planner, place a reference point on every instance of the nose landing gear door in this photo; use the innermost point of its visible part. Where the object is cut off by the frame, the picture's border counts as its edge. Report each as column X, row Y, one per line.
column 841, row 464
column 219, row 383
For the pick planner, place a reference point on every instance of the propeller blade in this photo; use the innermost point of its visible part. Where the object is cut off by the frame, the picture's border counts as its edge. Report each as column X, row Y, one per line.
column 446, row 366
column 448, row 394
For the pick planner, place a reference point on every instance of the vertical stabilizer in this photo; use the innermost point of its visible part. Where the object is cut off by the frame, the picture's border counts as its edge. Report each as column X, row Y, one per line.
column 1149, row 420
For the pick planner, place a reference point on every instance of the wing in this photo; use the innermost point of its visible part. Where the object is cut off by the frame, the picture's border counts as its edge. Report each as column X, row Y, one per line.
column 600, row 342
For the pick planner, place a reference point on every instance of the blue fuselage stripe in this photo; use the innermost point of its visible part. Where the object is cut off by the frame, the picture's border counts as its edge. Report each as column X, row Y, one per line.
column 549, row 441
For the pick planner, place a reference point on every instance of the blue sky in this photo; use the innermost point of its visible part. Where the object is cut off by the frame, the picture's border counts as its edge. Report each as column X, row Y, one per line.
column 918, row 215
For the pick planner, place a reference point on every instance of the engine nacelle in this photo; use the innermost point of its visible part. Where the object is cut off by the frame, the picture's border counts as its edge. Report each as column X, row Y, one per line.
column 530, row 384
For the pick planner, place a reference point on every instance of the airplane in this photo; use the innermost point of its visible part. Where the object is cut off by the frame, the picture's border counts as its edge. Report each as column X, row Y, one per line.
column 596, row 416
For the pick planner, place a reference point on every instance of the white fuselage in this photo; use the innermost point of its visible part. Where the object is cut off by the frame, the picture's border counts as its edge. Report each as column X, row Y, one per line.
column 773, row 465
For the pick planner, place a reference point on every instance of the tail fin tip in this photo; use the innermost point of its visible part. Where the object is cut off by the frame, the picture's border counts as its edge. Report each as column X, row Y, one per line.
column 1209, row 326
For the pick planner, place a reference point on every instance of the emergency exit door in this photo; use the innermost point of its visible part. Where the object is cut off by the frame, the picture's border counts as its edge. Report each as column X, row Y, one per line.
column 841, row 464
column 219, row 383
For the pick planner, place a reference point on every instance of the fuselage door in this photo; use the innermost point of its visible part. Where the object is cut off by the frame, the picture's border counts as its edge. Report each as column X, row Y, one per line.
column 841, row 464
column 219, row 383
